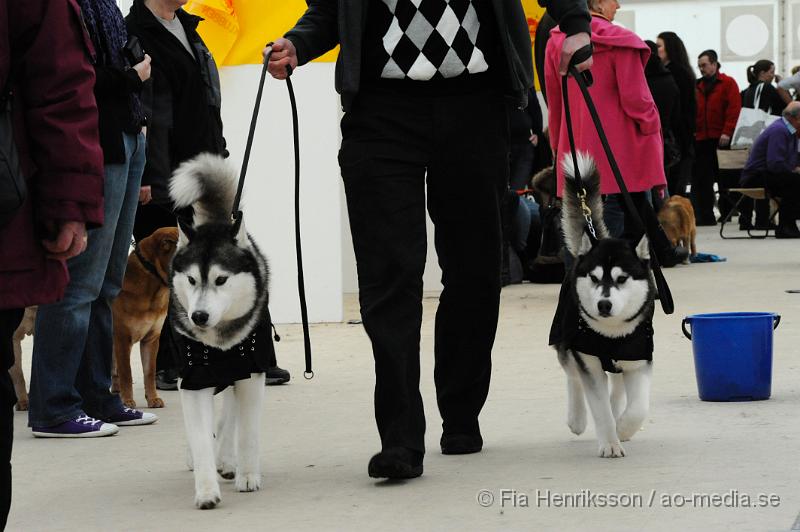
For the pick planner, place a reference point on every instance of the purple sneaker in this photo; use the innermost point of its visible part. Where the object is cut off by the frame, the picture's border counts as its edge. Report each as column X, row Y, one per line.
column 129, row 416
column 81, row 427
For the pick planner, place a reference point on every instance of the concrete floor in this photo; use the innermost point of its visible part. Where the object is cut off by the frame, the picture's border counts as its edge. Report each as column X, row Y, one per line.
column 319, row 434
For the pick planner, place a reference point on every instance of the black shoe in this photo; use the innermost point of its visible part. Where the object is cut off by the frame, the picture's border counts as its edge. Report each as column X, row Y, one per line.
column 167, row 379
column 745, row 225
column 276, row 375
column 787, row 231
column 461, row 443
column 673, row 256
column 396, row 462
column 760, row 226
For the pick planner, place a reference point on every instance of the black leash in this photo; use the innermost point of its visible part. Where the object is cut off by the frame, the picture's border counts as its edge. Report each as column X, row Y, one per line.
column 236, row 214
column 584, row 80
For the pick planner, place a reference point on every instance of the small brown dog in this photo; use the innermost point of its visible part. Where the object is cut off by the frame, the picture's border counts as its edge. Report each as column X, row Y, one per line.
column 139, row 313
column 677, row 219
column 25, row 329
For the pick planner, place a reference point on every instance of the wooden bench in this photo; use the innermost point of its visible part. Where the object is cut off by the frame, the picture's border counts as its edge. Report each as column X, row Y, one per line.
column 756, row 194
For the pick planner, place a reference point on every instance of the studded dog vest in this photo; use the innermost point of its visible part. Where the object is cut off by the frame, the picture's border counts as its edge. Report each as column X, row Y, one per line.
column 571, row 332
column 203, row 366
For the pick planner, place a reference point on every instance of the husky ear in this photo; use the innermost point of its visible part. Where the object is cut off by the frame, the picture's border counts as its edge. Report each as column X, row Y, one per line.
column 643, row 249
column 585, row 246
column 185, row 233
column 238, row 231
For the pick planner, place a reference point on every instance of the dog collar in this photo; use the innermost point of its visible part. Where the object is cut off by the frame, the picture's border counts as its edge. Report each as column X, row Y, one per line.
column 149, row 266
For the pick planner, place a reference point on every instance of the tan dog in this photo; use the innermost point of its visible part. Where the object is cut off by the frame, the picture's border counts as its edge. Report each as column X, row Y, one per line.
column 25, row 329
column 677, row 219
column 139, row 313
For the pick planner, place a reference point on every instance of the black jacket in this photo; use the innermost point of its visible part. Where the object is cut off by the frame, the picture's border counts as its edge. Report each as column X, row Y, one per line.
column 668, row 101
column 182, row 99
column 112, row 91
column 327, row 23
column 523, row 122
column 770, row 102
column 572, row 15
column 686, row 86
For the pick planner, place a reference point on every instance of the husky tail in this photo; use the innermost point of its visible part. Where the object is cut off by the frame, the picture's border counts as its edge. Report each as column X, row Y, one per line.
column 572, row 219
column 208, row 184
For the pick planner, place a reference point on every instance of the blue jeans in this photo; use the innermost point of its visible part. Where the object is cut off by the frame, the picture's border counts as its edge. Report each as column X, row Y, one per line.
column 527, row 211
column 73, row 342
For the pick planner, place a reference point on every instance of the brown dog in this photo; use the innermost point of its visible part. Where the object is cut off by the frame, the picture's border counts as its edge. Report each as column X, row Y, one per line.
column 139, row 313
column 677, row 219
column 25, row 329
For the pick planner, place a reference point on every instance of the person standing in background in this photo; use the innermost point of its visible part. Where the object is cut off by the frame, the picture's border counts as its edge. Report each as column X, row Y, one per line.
column 70, row 393
column 183, row 102
column 718, row 106
column 672, row 53
column 54, row 117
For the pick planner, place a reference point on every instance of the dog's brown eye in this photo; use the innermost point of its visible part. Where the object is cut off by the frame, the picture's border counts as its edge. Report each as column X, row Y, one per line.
column 594, row 279
column 192, row 281
column 621, row 279
column 221, row 280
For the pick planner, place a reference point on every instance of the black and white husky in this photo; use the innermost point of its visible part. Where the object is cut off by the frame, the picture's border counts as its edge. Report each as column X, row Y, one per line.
column 218, row 295
column 603, row 328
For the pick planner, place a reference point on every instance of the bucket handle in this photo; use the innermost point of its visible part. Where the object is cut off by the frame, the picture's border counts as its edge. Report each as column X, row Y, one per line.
column 688, row 334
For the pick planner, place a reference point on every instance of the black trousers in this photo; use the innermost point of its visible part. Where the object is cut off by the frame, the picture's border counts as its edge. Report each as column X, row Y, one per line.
column 704, row 175
column 9, row 321
column 392, row 144
column 785, row 186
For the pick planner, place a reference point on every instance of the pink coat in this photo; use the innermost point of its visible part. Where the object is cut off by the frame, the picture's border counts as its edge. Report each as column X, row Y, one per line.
column 623, row 100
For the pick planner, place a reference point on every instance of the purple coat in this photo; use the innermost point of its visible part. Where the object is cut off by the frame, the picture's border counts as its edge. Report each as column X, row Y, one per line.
column 55, row 129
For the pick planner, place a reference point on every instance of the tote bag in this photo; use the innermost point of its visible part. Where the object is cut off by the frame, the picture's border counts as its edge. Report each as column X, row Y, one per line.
column 751, row 123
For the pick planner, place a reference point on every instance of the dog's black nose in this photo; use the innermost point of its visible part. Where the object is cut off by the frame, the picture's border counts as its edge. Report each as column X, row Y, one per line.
column 604, row 306
column 199, row 317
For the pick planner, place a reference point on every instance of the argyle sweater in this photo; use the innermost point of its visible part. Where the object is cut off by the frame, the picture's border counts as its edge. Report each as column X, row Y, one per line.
column 428, row 40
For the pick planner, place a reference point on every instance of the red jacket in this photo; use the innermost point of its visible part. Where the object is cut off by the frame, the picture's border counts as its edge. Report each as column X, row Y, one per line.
column 717, row 111
column 55, row 130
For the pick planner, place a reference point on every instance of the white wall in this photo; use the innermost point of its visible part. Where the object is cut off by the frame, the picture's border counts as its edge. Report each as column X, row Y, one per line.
column 699, row 24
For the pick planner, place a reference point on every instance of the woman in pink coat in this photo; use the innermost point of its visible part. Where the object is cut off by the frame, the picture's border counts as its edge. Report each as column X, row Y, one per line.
column 629, row 117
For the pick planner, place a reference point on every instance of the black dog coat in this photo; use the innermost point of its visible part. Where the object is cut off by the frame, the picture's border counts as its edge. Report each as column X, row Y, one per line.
column 570, row 332
column 203, row 366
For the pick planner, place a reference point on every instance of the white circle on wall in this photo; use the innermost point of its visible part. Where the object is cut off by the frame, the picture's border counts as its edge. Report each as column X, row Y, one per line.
column 747, row 35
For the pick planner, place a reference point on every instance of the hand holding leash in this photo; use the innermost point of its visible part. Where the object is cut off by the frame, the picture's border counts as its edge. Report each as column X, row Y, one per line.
column 280, row 57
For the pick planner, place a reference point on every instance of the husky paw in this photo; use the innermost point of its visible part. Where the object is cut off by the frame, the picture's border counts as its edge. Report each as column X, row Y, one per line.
column 248, row 481
column 611, row 450
column 226, row 471
column 577, row 422
column 155, row 403
column 207, row 500
column 627, row 427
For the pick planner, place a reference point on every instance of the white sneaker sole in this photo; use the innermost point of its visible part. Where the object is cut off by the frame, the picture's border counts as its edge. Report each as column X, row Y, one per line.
column 92, row 434
column 143, row 421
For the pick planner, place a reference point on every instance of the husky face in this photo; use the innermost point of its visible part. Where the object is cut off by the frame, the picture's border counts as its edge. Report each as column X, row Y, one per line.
column 612, row 282
column 215, row 276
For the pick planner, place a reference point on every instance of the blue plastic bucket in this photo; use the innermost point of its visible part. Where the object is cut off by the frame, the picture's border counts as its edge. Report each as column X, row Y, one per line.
column 732, row 354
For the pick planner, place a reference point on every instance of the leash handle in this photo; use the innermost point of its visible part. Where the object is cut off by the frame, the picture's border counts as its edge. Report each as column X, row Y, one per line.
column 301, row 285
column 664, row 293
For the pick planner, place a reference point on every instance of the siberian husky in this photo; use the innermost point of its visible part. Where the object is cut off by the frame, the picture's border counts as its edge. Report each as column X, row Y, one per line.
column 218, row 295
column 605, row 321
